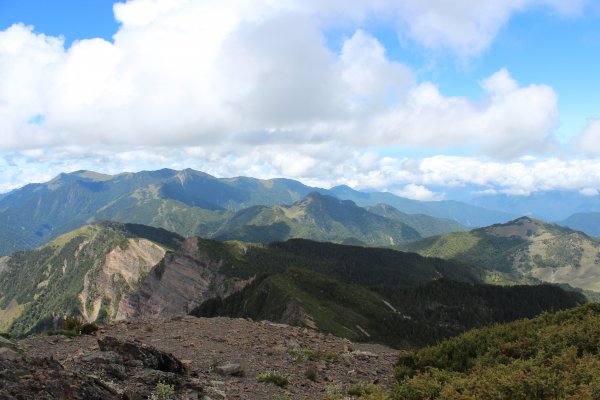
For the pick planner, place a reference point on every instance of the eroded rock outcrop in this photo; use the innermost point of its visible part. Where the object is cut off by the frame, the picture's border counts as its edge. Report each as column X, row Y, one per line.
column 121, row 273
column 179, row 283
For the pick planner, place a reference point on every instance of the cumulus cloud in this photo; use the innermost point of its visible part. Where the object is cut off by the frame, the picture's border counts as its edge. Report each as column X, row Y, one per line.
column 418, row 192
column 251, row 87
column 589, row 140
column 261, row 80
column 466, row 27
column 590, row 192
column 512, row 121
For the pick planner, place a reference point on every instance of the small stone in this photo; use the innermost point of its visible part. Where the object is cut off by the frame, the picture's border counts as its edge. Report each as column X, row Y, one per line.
column 8, row 354
column 292, row 344
column 229, row 369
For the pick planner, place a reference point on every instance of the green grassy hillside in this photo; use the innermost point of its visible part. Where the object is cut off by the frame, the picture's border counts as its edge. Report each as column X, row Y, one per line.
column 316, row 217
column 526, row 249
column 554, row 356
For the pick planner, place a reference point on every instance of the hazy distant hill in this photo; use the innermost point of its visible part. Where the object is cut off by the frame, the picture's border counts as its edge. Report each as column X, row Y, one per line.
column 463, row 213
column 588, row 223
column 424, row 224
column 552, row 205
column 317, row 217
column 527, row 247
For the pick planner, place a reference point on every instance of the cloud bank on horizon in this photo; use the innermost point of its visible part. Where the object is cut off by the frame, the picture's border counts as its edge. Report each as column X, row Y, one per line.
column 254, row 87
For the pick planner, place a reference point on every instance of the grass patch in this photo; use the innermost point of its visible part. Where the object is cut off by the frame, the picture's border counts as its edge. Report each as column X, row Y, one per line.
column 361, row 389
column 306, row 354
column 273, row 377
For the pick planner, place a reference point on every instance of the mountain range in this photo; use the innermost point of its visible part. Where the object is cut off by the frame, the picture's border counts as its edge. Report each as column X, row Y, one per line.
column 275, row 246
column 551, row 205
column 112, row 271
column 190, row 203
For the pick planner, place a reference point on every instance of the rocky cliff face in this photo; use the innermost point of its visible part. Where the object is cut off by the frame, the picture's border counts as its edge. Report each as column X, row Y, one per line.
column 84, row 273
column 179, row 283
column 121, row 273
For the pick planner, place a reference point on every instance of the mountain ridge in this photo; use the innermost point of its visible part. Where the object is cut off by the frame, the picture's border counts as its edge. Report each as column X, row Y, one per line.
column 111, row 271
column 189, row 202
column 316, row 217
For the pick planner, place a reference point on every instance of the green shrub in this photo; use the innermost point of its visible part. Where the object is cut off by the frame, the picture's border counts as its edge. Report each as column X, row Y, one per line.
column 71, row 323
column 63, row 332
column 89, row 328
column 554, row 356
column 360, row 389
column 273, row 377
column 162, row 391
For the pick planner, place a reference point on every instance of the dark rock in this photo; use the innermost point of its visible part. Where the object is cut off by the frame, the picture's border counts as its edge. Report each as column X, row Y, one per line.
column 149, row 356
column 106, row 357
column 150, row 377
column 116, row 371
column 45, row 378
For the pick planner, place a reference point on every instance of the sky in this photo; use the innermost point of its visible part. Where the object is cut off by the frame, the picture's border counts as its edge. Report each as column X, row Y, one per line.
column 417, row 97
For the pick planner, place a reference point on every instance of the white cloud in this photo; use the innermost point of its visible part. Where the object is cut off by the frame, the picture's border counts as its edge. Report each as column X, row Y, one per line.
column 591, row 192
column 324, row 165
column 589, row 140
column 513, row 121
column 251, row 88
column 418, row 192
column 371, row 77
column 466, row 27
column 188, row 73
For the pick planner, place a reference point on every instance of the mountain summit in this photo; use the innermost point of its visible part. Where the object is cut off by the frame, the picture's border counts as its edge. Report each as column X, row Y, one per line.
column 525, row 247
column 317, row 217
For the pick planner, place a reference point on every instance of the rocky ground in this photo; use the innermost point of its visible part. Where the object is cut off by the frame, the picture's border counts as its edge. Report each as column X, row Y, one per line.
column 216, row 358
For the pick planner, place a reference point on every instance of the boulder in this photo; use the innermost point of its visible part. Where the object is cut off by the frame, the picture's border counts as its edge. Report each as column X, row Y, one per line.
column 149, row 356
column 229, row 369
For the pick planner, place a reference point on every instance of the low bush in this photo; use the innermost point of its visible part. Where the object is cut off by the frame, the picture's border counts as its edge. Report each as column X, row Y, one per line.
column 273, row 377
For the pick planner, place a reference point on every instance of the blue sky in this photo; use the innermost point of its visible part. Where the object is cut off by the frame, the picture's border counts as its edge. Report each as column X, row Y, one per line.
column 73, row 19
column 382, row 95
